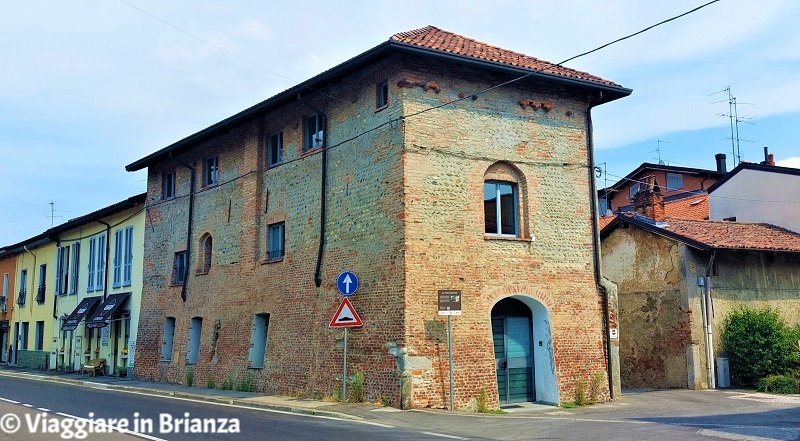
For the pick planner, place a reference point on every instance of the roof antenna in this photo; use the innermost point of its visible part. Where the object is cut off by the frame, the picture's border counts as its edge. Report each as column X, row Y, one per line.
column 658, row 151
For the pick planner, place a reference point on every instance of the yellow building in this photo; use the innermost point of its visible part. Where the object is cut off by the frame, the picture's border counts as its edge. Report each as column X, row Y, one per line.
column 8, row 271
column 91, row 273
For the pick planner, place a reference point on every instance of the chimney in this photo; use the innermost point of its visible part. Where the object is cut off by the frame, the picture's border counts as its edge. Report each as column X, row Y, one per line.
column 722, row 166
column 771, row 159
column 648, row 201
column 766, row 156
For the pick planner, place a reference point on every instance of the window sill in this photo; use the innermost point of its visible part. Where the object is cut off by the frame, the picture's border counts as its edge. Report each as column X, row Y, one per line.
column 506, row 238
column 268, row 261
column 166, row 360
column 255, row 368
column 191, row 364
column 381, row 108
column 210, row 186
column 176, row 284
column 310, row 151
column 200, row 273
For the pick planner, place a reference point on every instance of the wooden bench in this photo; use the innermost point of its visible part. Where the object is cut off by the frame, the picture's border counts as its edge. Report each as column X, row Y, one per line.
column 94, row 367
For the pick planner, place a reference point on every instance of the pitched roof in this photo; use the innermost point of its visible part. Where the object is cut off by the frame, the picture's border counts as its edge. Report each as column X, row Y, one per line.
column 431, row 37
column 756, row 167
column 429, row 42
column 692, row 207
column 719, row 235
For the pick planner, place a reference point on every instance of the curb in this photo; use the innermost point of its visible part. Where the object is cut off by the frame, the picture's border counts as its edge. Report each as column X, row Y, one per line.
column 185, row 395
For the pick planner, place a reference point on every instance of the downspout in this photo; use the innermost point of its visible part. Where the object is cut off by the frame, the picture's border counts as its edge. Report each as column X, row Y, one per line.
column 108, row 256
column 323, row 190
column 33, row 277
column 709, row 330
column 189, row 226
column 596, row 246
column 57, row 288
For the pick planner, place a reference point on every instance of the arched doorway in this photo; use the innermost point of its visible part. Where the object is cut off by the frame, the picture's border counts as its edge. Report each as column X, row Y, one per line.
column 512, row 332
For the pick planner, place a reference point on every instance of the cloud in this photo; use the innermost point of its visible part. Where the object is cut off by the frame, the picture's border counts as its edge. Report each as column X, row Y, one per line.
column 793, row 162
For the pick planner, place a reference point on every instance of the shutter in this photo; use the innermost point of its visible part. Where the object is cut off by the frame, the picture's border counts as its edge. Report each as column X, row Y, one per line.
column 59, row 253
column 90, row 269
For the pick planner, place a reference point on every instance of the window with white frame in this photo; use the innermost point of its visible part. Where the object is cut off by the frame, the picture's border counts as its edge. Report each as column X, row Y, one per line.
column 127, row 258
column 118, row 238
column 168, row 185
column 674, row 181
column 211, row 171
column 276, row 240
column 500, row 208
column 275, row 150
column 314, row 132
column 100, row 268
column 74, row 268
column 90, row 267
column 62, row 270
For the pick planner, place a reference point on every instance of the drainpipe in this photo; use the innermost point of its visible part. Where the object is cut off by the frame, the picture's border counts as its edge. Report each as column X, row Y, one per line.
column 189, row 225
column 108, row 256
column 323, row 190
column 33, row 277
column 57, row 288
column 596, row 245
column 708, row 316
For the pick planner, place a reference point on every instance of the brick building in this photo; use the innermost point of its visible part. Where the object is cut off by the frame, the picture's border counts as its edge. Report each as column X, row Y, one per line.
column 369, row 167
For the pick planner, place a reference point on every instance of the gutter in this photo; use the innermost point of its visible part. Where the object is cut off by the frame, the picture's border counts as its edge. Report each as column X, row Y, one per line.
column 596, row 247
column 25, row 247
column 709, row 315
column 108, row 256
column 189, row 225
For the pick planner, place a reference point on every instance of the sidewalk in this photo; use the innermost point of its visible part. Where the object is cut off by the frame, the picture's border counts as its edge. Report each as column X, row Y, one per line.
column 353, row 411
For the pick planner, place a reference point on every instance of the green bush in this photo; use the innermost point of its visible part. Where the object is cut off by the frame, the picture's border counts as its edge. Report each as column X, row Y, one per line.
column 580, row 393
column 356, row 387
column 190, row 377
column 758, row 344
column 778, row 384
column 247, row 383
column 228, row 383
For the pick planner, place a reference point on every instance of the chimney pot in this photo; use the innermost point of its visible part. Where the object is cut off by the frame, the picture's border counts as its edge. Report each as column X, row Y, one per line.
column 771, row 159
column 722, row 166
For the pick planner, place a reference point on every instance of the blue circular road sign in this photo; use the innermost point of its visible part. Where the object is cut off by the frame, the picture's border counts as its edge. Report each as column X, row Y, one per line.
column 347, row 283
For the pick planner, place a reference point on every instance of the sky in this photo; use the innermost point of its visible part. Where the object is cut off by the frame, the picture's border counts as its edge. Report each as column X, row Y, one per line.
column 89, row 86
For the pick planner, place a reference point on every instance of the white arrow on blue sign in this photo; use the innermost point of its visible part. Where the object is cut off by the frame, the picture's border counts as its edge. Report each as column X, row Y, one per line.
column 347, row 283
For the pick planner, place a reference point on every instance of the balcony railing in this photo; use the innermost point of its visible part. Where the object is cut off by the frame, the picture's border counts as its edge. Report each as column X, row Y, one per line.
column 40, row 294
column 3, row 301
column 21, row 297
column 275, row 255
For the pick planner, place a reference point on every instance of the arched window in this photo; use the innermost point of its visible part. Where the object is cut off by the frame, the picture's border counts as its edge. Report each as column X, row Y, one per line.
column 207, row 249
column 501, row 200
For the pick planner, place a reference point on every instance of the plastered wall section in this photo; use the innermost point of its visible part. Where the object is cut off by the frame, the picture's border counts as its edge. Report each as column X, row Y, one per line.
column 449, row 153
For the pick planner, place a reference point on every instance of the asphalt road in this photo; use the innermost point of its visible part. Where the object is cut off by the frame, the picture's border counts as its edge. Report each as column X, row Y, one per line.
column 139, row 409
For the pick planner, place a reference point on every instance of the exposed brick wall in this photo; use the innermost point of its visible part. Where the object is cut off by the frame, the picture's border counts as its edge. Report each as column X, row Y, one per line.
column 405, row 213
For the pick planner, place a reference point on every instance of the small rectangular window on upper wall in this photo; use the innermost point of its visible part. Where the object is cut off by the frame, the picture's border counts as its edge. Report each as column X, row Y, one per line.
column 168, row 185
column 314, row 132
column 674, row 181
column 211, row 171
column 275, row 150
column 382, row 95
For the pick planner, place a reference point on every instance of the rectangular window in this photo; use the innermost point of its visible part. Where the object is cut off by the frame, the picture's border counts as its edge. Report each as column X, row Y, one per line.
column 382, row 95
column 42, row 285
column 179, row 268
column 101, row 263
column 74, row 269
column 276, row 241
column 4, row 298
column 674, row 181
column 169, row 338
column 168, row 185
column 314, row 125
column 24, row 335
column 211, row 172
column 23, row 287
column 39, row 336
column 634, row 189
column 90, row 268
column 127, row 258
column 500, row 208
column 193, row 343
column 117, row 259
column 258, row 341
column 62, row 270
column 5, row 285
column 275, row 150
column 604, row 205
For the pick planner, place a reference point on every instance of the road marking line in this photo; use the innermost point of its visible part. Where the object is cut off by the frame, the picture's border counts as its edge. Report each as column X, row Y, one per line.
column 43, row 409
column 443, row 435
column 28, row 405
column 113, row 428
column 9, row 401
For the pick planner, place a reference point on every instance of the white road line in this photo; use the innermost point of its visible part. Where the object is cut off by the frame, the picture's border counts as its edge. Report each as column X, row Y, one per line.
column 443, row 435
column 43, row 409
column 113, row 428
column 28, row 405
column 9, row 401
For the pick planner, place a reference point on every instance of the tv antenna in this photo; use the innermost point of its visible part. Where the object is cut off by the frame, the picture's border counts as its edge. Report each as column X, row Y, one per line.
column 733, row 115
column 53, row 214
column 658, row 151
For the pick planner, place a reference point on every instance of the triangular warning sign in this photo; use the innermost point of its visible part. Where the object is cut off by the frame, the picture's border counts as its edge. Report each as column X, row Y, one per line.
column 346, row 316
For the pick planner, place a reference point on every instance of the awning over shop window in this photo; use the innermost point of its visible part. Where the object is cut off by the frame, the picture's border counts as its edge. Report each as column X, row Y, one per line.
column 86, row 306
column 101, row 316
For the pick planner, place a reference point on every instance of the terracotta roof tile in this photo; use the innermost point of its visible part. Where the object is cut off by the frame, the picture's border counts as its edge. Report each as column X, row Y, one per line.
column 434, row 38
column 603, row 221
column 736, row 235
column 694, row 207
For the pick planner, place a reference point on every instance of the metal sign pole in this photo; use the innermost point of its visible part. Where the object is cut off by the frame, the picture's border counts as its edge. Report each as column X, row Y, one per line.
column 344, row 369
column 450, row 355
